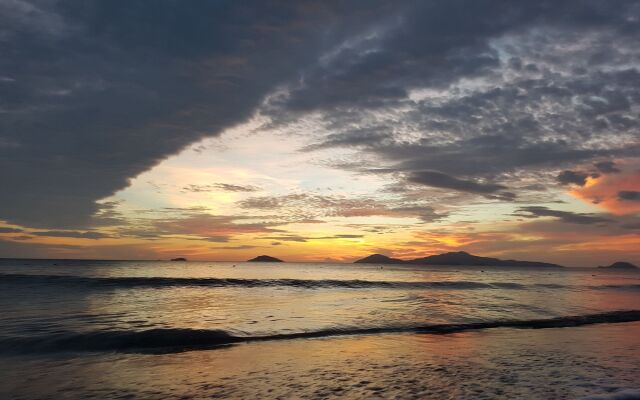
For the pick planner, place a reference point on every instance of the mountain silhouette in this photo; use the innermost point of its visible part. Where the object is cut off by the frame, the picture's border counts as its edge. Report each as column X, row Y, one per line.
column 456, row 258
column 264, row 258
column 620, row 265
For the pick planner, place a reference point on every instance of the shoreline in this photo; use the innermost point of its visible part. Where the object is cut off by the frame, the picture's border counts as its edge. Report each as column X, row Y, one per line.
column 498, row 364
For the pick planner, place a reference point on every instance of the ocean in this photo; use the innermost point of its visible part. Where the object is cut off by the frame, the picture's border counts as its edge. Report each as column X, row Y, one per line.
column 154, row 329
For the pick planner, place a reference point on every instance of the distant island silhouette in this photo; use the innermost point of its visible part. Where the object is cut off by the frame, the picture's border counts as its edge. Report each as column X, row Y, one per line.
column 380, row 259
column 619, row 265
column 456, row 258
column 264, row 258
column 179, row 259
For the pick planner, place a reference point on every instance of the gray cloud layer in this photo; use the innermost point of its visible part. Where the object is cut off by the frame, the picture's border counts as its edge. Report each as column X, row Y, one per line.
column 492, row 93
column 438, row 179
column 95, row 92
column 629, row 195
column 468, row 93
column 573, row 177
column 565, row 216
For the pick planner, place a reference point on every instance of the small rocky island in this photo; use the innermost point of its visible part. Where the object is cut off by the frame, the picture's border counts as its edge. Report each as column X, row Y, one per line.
column 619, row 265
column 456, row 258
column 264, row 258
column 179, row 259
column 379, row 259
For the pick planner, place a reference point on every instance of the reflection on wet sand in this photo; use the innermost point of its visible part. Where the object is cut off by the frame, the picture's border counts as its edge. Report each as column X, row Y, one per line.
column 498, row 364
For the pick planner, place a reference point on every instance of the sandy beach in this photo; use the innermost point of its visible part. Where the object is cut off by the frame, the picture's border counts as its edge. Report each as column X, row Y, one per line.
column 563, row 363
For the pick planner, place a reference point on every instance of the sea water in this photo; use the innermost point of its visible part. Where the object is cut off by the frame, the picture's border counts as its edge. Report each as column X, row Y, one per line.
column 150, row 329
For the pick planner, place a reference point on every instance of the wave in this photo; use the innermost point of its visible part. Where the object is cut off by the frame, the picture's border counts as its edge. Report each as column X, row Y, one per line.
column 249, row 283
column 168, row 340
column 160, row 282
column 623, row 286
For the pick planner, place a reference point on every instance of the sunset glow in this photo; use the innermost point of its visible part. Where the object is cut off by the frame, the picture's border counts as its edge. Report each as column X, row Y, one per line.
column 355, row 142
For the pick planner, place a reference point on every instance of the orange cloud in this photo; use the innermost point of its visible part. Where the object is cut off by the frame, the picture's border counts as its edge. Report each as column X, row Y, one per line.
column 212, row 226
column 603, row 192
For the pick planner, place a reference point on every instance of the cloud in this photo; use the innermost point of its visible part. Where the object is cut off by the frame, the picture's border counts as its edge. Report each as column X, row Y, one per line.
column 288, row 238
column 514, row 90
column 77, row 127
column 21, row 237
column 213, row 228
column 423, row 212
column 72, row 234
column 629, row 195
column 303, row 239
column 216, row 239
column 4, row 229
column 564, row 216
column 441, row 180
column 613, row 192
column 240, row 247
column 305, row 207
column 343, row 236
column 573, row 177
column 21, row 249
column 226, row 187
column 359, row 137
column 492, row 101
column 607, row 167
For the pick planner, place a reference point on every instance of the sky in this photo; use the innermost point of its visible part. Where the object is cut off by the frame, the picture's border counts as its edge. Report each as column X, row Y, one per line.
column 320, row 131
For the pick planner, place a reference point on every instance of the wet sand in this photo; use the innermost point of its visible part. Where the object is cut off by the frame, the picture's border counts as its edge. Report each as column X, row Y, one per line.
column 557, row 363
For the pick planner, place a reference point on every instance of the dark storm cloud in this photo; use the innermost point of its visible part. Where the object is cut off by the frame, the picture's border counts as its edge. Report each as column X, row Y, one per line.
column 573, row 177
column 564, row 216
column 629, row 195
column 96, row 92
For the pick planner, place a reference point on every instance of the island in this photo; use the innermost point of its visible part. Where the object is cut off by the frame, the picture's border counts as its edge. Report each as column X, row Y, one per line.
column 379, row 259
column 264, row 258
column 456, row 258
column 179, row 259
column 619, row 265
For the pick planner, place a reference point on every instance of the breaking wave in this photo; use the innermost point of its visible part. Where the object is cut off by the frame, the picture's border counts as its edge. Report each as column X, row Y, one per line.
column 131, row 282
column 168, row 340
column 160, row 282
